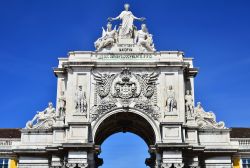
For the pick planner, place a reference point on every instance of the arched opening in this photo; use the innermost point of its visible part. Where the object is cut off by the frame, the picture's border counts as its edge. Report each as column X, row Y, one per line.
column 126, row 122
column 121, row 149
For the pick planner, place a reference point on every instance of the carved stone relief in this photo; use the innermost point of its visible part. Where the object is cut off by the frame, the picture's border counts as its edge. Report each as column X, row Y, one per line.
column 127, row 90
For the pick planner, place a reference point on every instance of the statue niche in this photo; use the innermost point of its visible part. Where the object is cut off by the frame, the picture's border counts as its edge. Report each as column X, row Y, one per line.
column 189, row 103
column 171, row 103
column 80, row 102
column 62, row 106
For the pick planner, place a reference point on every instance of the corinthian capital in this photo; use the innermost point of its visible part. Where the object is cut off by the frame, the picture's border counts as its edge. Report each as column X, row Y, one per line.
column 178, row 165
column 70, row 165
column 83, row 165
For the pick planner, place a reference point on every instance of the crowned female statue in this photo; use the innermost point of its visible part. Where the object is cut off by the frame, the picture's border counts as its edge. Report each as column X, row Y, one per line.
column 127, row 18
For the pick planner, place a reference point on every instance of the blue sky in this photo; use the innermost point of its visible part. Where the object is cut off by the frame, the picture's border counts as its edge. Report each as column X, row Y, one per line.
column 34, row 33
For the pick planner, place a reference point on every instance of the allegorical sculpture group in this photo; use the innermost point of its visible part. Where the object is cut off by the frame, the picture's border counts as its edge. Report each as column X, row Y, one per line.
column 125, row 89
column 127, row 85
column 43, row 119
column 199, row 115
column 126, row 30
column 46, row 119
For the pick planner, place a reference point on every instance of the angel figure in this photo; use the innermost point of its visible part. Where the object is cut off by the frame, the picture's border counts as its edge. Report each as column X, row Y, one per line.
column 108, row 38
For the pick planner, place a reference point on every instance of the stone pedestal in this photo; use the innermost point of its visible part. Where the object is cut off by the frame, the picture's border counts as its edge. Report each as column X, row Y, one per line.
column 191, row 122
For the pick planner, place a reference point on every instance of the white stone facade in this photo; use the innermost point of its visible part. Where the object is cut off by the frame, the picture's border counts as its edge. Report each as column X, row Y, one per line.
column 133, row 84
column 146, row 92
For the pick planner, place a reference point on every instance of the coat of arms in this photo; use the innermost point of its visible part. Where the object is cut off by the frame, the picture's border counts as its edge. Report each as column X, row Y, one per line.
column 126, row 90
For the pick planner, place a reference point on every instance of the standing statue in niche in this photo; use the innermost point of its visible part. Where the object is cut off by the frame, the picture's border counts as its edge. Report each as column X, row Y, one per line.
column 171, row 103
column 126, row 29
column 81, row 103
column 44, row 119
column 62, row 106
column 144, row 39
column 108, row 38
column 189, row 103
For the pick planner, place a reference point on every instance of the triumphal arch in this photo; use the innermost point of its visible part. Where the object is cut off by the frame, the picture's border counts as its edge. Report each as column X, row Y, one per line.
column 126, row 85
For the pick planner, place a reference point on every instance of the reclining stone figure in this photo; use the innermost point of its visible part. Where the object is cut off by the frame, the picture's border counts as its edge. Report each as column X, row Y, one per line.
column 44, row 119
column 206, row 119
column 108, row 38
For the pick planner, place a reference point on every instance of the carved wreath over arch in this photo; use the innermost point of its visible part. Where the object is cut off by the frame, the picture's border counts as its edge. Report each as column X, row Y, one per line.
column 127, row 90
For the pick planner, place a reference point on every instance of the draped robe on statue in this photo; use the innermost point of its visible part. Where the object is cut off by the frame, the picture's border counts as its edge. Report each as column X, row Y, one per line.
column 127, row 18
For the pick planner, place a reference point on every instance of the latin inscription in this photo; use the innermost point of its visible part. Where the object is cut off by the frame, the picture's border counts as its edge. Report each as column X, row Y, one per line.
column 125, row 56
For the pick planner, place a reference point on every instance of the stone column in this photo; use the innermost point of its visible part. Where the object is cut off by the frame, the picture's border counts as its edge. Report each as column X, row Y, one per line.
column 155, row 158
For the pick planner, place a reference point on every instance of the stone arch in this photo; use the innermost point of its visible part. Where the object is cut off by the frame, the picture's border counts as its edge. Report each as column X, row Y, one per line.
column 126, row 120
